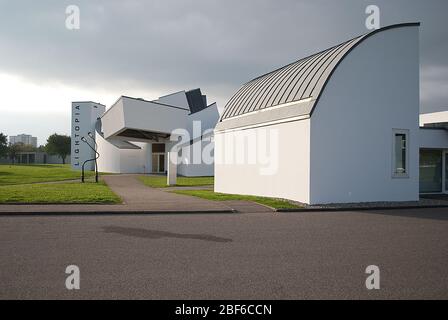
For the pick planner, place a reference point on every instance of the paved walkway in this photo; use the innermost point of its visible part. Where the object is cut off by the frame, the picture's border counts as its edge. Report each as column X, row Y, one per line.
column 138, row 198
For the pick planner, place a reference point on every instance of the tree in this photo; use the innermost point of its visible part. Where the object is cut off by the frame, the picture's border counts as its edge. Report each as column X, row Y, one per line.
column 14, row 149
column 58, row 144
column 3, row 145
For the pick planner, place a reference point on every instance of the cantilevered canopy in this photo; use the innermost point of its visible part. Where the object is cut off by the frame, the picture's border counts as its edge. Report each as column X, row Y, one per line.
column 296, row 87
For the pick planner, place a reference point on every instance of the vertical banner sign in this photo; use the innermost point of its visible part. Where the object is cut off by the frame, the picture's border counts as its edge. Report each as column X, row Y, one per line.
column 84, row 117
column 76, row 138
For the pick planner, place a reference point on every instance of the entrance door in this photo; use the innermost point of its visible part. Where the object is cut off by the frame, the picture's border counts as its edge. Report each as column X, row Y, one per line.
column 158, row 157
column 430, row 171
column 446, row 172
column 158, row 162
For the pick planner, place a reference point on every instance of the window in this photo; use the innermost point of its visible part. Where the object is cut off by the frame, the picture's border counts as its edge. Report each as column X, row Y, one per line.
column 158, row 148
column 400, row 153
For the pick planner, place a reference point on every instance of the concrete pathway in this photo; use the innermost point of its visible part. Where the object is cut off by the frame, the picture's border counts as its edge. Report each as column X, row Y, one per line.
column 138, row 198
column 134, row 193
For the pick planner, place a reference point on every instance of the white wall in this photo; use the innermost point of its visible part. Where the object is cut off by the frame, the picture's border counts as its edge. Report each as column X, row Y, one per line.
column 207, row 118
column 152, row 117
column 109, row 160
column 291, row 178
column 133, row 160
column 175, row 99
column 113, row 119
column 115, row 160
column 189, row 168
column 374, row 90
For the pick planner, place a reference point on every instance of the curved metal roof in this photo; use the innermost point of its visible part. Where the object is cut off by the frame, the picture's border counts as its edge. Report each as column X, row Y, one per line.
column 300, row 81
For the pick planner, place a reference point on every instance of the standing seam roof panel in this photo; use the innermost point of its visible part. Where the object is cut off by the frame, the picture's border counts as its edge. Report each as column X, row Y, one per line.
column 281, row 74
column 234, row 101
column 257, row 90
column 241, row 94
column 332, row 63
column 305, row 78
column 274, row 77
column 318, row 72
column 287, row 83
column 275, row 84
column 281, row 83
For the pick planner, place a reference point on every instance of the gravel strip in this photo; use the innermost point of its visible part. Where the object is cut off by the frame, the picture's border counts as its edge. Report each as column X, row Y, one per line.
column 430, row 200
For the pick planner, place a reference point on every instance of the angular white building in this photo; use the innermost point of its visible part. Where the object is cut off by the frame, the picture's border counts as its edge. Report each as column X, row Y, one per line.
column 338, row 126
column 134, row 135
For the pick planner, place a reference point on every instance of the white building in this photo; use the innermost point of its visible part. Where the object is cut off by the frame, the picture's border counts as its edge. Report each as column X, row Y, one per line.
column 338, row 126
column 134, row 135
column 23, row 138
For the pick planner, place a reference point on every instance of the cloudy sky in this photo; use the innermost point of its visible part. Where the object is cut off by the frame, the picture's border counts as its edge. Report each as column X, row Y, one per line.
column 147, row 48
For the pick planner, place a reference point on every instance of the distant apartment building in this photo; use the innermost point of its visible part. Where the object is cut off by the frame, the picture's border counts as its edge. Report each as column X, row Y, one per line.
column 23, row 138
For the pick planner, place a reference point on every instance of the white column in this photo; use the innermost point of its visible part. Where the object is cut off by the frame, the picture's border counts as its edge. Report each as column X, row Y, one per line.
column 172, row 168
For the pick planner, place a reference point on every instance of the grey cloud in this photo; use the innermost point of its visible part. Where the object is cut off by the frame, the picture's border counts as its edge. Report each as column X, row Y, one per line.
column 168, row 45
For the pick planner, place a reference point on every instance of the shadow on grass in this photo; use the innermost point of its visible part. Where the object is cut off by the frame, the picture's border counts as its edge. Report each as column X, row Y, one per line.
column 154, row 234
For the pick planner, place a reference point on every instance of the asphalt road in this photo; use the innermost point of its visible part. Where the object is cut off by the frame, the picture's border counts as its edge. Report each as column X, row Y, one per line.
column 227, row 256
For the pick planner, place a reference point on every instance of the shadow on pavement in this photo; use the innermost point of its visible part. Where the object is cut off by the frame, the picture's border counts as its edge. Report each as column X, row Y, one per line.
column 154, row 234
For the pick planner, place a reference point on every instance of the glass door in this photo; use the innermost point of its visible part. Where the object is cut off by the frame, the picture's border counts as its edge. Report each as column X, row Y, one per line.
column 431, row 171
column 158, row 162
column 446, row 171
column 162, row 162
column 158, row 157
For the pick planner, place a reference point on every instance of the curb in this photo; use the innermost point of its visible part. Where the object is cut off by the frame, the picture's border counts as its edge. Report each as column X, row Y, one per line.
column 360, row 208
column 96, row 213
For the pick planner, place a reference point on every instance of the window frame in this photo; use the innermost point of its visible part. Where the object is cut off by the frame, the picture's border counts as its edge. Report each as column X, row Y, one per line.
column 396, row 174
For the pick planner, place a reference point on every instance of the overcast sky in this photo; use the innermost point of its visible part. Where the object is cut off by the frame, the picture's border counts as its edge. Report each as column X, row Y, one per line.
column 150, row 48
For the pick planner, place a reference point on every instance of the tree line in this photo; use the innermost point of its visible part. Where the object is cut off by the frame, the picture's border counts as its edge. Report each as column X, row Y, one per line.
column 56, row 145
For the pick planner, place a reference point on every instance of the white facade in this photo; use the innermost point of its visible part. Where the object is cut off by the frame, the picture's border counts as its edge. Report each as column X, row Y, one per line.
column 356, row 138
column 236, row 173
column 352, row 125
column 23, row 138
column 134, row 135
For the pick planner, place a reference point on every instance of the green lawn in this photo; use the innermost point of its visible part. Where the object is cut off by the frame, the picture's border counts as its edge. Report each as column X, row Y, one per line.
column 74, row 192
column 211, row 195
column 23, row 174
column 160, row 181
